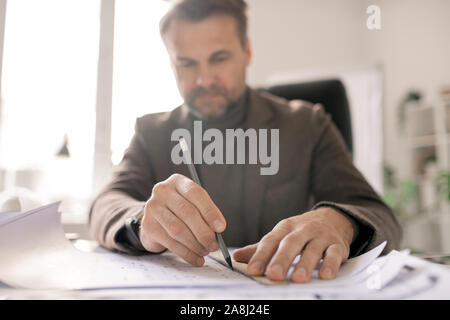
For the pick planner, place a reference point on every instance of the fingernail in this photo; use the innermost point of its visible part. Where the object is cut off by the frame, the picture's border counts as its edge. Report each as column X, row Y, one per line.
column 277, row 271
column 218, row 225
column 255, row 268
column 200, row 262
column 300, row 273
column 327, row 272
column 205, row 252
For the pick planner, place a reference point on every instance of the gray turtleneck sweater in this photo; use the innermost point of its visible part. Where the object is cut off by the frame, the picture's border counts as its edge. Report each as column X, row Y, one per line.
column 228, row 194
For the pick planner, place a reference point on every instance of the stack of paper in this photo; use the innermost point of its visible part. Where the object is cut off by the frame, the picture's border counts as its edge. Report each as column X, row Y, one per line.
column 35, row 253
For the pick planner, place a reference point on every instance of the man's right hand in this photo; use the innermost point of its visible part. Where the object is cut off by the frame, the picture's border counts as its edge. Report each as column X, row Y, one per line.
column 181, row 217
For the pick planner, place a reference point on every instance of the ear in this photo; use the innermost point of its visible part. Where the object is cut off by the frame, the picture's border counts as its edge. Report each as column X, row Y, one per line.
column 248, row 51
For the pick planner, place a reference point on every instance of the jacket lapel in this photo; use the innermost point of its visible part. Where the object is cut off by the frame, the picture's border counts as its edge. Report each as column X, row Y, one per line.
column 259, row 117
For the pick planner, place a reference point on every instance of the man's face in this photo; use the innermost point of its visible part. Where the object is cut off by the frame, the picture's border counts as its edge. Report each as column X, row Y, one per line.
column 209, row 62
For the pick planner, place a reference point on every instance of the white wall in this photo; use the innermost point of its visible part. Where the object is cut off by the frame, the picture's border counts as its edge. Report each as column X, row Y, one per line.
column 304, row 40
column 412, row 48
column 303, row 34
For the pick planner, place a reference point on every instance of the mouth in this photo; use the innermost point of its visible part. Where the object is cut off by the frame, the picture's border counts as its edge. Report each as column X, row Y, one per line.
column 209, row 96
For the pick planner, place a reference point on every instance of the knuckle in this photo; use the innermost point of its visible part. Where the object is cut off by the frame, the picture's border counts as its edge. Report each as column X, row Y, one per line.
column 175, row 176
column 174, row 229
column 190, row 188
column 206, row 238
column 267, row 240
column 150, row 204
column 314, row 247
column 158, row 188
column 186, row 208
column 284, row 224
column 210, row 213
column 291, row 239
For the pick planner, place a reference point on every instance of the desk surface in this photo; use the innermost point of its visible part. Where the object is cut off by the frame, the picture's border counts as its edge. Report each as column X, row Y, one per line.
column 423, row 287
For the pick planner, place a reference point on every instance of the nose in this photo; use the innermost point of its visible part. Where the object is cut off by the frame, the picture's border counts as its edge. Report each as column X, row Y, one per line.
column 205, row 77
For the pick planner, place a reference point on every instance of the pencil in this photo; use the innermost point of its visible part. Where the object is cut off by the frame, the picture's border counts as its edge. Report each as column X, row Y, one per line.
column 193, row 172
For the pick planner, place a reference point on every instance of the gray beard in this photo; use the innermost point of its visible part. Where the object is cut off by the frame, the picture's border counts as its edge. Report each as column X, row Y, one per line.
column 207, row 117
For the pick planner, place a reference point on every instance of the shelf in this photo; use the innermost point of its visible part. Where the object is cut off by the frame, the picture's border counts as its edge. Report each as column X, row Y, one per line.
column 428, row 140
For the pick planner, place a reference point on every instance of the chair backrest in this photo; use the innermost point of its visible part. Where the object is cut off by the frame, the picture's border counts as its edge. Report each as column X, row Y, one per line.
column 330, row 93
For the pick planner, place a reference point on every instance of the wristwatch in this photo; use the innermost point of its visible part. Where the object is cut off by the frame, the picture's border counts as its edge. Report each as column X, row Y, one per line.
column 132, row 225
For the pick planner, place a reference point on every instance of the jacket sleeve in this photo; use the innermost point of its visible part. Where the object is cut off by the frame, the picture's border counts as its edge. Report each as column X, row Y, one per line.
column 128, row 190
column 335, row 182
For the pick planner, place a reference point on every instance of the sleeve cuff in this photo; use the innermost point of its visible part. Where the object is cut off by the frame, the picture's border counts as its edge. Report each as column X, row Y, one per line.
column 124, row 244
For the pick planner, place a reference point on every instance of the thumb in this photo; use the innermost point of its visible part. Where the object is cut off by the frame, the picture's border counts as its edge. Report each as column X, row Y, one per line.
column 244, row 254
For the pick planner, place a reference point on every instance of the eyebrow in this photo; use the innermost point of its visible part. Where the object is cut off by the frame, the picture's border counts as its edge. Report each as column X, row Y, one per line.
column 221, row 52
column 215, row 54
column 180, row 58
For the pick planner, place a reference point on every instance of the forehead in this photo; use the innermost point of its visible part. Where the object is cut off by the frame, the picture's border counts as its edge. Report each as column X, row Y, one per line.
column 204, row 37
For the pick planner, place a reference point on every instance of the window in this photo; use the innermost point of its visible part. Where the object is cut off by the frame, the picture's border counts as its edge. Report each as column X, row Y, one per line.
column 48, row 92
column 49, row 88
column 143, row 81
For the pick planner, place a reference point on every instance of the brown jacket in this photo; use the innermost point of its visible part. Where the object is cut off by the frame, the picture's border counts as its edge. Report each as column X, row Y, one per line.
column 315, row 169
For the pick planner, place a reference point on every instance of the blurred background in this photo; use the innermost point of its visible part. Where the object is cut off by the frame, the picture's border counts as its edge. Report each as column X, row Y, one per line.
column 75, row 74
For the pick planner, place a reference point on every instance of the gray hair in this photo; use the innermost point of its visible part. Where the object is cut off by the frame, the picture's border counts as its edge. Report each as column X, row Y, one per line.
column 198, row 10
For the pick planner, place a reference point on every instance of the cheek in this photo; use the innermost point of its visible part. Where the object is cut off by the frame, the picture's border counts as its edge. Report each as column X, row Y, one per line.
column 185, row 80
column 227, row 72
column 233, row 78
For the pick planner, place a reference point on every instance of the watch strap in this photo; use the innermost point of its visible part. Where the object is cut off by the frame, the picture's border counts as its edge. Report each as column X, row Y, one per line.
column 132, row 225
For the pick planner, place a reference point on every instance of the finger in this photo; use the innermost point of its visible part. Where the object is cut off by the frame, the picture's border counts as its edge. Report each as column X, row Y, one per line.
column 289, row 248
column 177, row 230
column 160, row 235
column 244, row 254
column 334, row 255
column 201, row 199
column 190, row 215
column 309, row 259
column 266, row 249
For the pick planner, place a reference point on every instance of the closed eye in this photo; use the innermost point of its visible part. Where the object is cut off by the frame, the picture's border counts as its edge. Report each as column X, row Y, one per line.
column 220, row 56
column 185, row 62
column 219, row 59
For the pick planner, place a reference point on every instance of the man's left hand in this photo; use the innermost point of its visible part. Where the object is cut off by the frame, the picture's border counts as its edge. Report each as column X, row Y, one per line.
column 322, row 233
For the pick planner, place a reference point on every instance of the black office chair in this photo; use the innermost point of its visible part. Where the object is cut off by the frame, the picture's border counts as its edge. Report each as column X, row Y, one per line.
column 330, row 93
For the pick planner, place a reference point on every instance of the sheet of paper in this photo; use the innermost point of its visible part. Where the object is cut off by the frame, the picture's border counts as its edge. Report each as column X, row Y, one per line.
column 399, row 276
column 348, row 269
column 36, row 254
column 39, row 256
column 7, row 215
